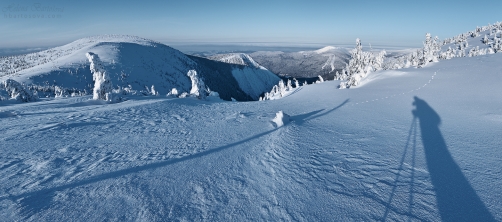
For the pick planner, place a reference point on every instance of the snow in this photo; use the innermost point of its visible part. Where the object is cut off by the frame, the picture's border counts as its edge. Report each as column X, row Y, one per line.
column 254, row 81
column 408, row 144
column 325, row 49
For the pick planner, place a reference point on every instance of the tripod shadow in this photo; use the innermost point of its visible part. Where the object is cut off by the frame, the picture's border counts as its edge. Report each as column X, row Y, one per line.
column 456, row 199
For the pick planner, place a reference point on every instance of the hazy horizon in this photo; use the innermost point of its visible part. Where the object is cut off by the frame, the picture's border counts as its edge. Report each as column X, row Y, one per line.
column 29, row 24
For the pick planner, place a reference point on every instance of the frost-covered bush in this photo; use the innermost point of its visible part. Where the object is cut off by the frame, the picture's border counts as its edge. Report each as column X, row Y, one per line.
column 485, row 40
column 153, row 91
column 320, row 78
column 289, row 86
column 102, row 83
column 125, row 91
column 17, row 91
column 497, row 45
column 474, row 51
column 183, row 95
column 60, row 92
column 449, row 54
column 173, row 93
column 378, row 60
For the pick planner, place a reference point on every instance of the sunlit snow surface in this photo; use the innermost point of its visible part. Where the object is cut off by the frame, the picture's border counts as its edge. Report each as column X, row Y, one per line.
column 347, row 155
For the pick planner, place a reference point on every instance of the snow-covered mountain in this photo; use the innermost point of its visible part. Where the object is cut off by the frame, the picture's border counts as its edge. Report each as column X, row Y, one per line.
column 131, row 62
column 237, row 58
column 304, row 64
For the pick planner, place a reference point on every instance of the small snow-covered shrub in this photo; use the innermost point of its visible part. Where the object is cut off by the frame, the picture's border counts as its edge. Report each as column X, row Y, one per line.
column 60, row 92
column 320, row 78
column 153, row 91
column 173, row 93
column 183, row 95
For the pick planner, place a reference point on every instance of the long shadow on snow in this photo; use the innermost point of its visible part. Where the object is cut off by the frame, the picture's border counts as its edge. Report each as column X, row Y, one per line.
column 456, row 199
column 300, row 119
column 33, row 202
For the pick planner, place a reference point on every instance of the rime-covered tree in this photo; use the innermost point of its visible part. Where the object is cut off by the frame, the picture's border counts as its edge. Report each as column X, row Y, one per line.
column 102, row 83
column 357, row 66
column 288, row 85
column 485, row 40
column 430, row 51
column 198, row 87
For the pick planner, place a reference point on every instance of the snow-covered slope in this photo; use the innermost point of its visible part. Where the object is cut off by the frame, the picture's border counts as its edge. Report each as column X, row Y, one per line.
column 253, row 78
column 414, row 144
column 129, row 61
column 325, row 62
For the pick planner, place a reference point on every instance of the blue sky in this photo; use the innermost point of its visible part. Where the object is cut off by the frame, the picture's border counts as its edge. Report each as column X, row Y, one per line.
column 289, row 22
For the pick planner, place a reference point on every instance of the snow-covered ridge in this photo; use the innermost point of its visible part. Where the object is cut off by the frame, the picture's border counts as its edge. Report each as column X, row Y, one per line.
column 305, row 64
column 325, row 49
column 238, row 59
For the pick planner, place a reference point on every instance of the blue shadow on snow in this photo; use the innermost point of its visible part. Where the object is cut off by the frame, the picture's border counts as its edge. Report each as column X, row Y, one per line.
column 456, row 199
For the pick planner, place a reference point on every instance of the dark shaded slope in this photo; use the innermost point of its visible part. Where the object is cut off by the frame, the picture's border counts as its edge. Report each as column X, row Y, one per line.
column 218, row 77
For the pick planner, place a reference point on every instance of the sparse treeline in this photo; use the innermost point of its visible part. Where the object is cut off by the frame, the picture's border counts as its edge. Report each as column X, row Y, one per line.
column 361, row 63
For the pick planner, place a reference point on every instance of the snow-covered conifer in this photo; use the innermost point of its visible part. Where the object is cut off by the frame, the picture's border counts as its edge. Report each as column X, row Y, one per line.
column 102, row 82
column 485, row 40
column 359, row 65
column 281, row 88
column 153, row 91
column 429, row 51
column 198, row 87
column 288, row 86
column 377, row 62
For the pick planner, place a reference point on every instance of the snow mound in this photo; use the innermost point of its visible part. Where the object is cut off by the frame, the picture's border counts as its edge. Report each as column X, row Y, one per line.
column 281, row 119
